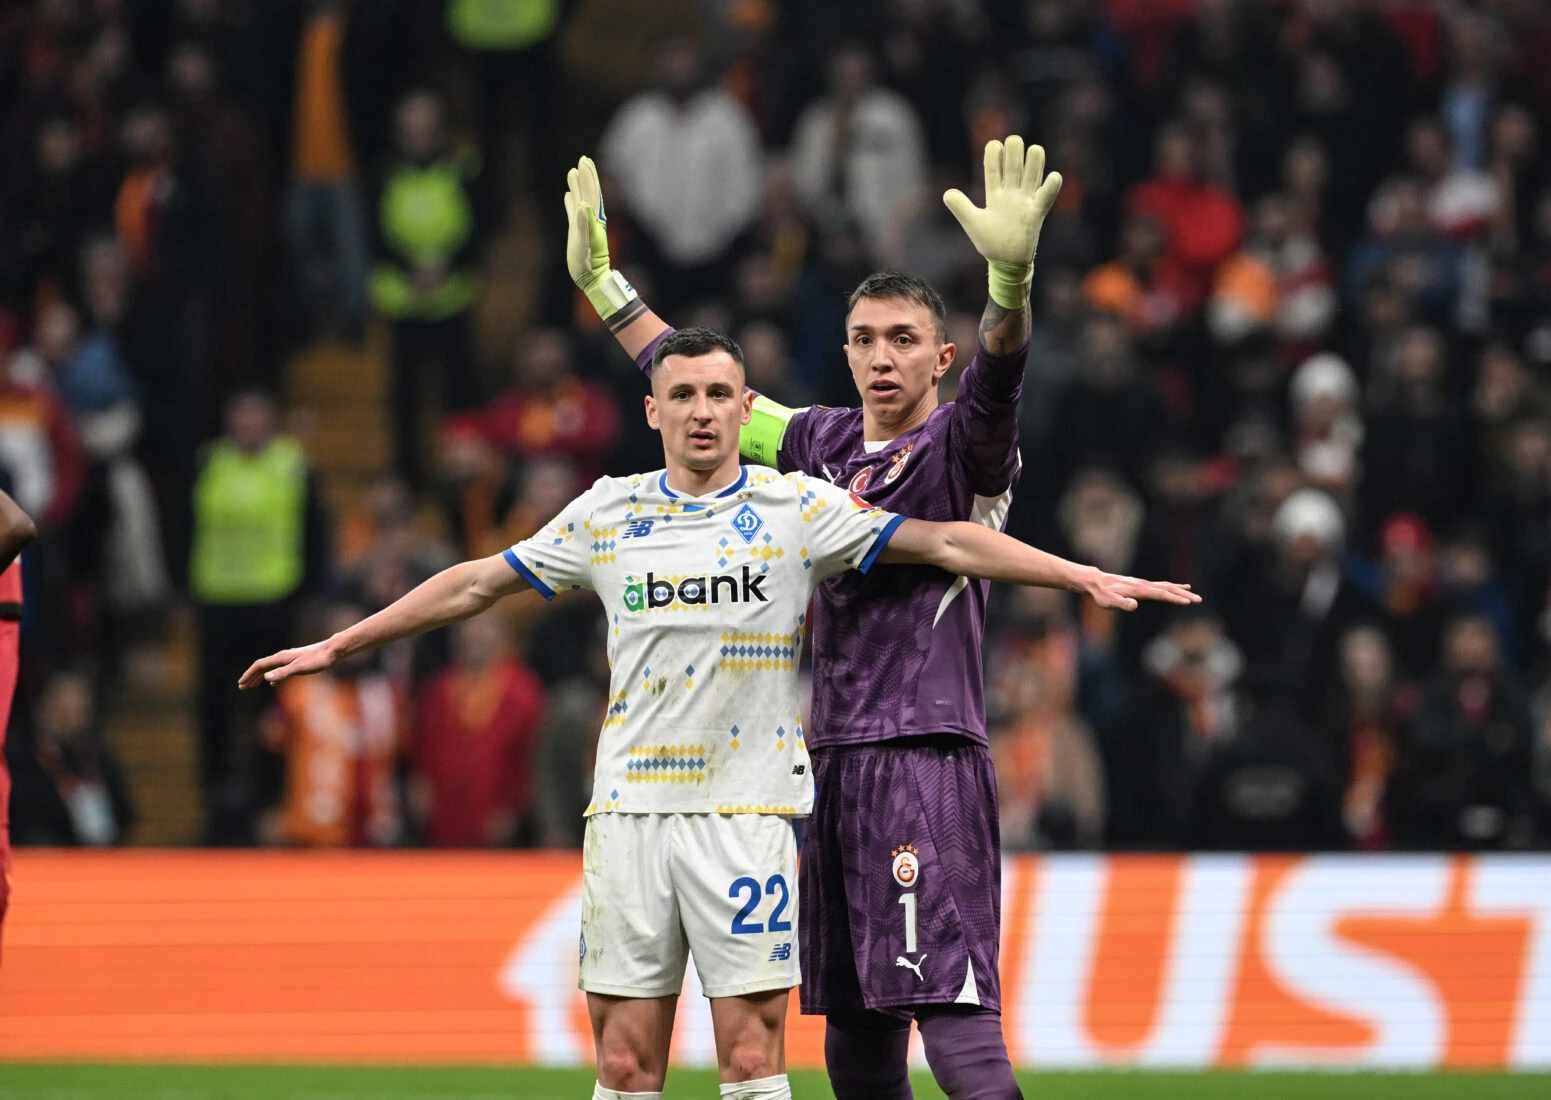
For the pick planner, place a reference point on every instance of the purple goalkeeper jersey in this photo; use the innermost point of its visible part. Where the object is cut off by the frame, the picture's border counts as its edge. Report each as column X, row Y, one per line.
column 896, row 652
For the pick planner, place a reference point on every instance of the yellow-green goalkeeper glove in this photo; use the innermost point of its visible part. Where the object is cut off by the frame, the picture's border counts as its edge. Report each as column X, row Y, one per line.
column 1006, row 231
column 587, row 243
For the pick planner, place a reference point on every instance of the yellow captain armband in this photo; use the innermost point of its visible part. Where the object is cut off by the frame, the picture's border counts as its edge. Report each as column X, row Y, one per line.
column 760, row 439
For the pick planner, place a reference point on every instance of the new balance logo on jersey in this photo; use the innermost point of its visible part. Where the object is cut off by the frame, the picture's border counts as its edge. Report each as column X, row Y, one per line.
column 638, row 528
column 781, row 953
column 654, row 593
column 900, row 960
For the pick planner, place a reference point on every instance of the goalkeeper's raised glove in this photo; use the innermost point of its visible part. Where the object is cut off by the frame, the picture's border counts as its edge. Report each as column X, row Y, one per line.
column 1006, row 231
column 587, row 243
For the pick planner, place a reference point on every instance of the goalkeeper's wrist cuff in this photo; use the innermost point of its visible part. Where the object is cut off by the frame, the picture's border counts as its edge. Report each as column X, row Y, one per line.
column 1010, row 284
column 609, row 293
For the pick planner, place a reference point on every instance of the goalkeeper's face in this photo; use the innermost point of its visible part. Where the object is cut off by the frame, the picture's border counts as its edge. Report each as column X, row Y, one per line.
column 698, row 404
column 897, row 356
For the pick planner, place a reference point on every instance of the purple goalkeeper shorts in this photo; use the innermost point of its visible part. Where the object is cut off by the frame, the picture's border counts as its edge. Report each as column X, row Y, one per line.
column 901, row 878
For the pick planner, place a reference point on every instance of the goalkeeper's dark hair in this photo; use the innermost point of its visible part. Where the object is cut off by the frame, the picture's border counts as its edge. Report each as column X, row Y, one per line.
column 901, row 286
column 692, row 343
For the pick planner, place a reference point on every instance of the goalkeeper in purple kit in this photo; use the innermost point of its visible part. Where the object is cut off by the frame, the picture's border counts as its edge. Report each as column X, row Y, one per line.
column 900, row 887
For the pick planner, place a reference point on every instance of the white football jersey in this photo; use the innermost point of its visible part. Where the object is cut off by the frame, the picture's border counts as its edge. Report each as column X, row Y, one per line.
column 707, row 600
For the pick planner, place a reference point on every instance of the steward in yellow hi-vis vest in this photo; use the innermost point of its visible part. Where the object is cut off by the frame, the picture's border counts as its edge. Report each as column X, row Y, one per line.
column 501, row 24
column 249, row 524
column 425, row 219
column 258, row 542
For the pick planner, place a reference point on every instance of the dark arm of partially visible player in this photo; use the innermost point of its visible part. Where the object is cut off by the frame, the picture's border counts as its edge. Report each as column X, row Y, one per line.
column 456, row 593
column 16, row 530
column 971, row 550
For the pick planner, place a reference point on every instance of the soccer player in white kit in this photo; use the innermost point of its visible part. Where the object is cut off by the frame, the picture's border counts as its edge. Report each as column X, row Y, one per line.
column 705, row 570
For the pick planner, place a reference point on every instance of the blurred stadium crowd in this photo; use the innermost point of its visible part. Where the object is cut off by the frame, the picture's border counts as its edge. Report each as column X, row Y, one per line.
column 1292, row 344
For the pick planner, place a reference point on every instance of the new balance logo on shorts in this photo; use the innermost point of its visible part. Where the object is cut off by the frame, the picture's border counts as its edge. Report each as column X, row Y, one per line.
column 781, row 953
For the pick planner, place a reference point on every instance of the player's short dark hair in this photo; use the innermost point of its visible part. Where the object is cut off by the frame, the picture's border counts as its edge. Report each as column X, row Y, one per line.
column 901, row 286
column 692, row 343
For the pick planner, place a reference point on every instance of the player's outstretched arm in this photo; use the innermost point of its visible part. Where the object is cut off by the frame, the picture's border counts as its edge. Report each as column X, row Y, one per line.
column 970, row 550
column 587, row 259
column 454, row 594
column 1006, row 232
column 16, row 530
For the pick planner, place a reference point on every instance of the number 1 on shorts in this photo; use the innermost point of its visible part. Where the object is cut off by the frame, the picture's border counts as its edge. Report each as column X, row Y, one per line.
column 909, row 902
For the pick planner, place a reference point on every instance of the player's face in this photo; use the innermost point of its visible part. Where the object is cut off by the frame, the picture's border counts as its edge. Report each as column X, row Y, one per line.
column 698, row 405
column 896, row 359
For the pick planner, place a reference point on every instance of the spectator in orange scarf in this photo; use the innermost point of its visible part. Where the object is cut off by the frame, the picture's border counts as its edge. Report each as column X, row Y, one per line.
column 341, row 733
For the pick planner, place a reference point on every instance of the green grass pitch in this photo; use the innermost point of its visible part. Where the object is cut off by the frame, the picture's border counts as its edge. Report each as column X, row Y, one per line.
column 155, row 1082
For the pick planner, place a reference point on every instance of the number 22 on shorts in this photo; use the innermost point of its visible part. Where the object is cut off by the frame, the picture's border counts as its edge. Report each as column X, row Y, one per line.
column 775, row 884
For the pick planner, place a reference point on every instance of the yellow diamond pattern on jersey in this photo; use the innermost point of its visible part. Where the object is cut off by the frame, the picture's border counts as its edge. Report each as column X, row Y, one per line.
column 759, row 651
column 617, row 712
column 603, row 543
column 666, row 764
column 786, row 811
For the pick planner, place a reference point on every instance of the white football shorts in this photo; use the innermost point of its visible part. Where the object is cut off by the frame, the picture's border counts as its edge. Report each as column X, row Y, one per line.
column 657, row 888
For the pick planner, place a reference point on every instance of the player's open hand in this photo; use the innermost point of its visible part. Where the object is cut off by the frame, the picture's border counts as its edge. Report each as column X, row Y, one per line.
column 1018, row 196
column 279, row 667
column 1110, row 590
column 587, row 238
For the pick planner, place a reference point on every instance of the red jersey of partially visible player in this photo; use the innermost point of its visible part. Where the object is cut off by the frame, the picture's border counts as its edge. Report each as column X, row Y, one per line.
column 10, row 644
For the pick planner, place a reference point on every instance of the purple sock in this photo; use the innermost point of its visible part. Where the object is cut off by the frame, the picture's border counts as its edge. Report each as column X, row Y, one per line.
column 867, row 1056
column 967, row 1053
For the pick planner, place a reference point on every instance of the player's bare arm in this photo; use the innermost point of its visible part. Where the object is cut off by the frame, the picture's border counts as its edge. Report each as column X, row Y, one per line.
column 16, row 530
column 457, row 593
column 970, row 550
column 1006, row 232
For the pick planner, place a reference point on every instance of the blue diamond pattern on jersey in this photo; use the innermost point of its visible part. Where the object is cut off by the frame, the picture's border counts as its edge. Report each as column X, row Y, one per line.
column 779, row 652
column 662, row 762
column 747, row 523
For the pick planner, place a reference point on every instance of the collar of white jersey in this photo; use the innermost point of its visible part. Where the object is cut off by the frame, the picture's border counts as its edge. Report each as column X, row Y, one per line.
column 738, row 483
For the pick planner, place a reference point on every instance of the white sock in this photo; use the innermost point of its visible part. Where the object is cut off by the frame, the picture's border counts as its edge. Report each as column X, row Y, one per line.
column 601, row 1093
column 765, row 1088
